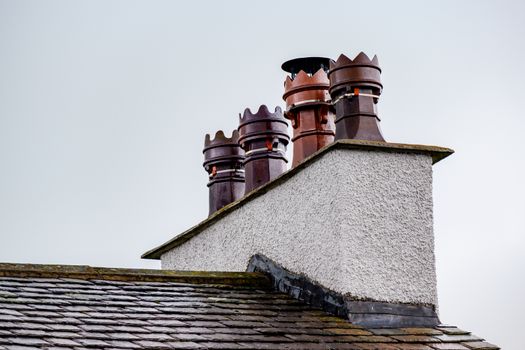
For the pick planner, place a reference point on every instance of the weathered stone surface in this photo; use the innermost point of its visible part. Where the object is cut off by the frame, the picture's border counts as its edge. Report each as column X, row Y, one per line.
column 64, row 314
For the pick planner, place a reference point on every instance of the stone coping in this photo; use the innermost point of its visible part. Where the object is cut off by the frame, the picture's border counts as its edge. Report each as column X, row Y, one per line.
column 84, row 272
column 437, row 154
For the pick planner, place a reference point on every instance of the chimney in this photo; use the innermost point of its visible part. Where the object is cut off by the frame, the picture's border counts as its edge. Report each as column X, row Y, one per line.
column 355, row 86
column 223, row 158
column 308, row 105
column 263, row 136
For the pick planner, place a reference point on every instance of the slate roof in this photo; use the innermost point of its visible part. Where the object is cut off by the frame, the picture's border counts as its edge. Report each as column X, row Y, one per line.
column 79, row 307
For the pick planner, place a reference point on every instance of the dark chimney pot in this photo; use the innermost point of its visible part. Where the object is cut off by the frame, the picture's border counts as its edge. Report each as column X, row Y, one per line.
column 355, row 87
column 264, row 137
column 308, row 105
column 223, row 158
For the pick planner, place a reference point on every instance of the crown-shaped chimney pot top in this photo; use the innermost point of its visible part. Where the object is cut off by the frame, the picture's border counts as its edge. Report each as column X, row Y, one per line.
column 264, row 137
column 355, row 87
column 262, row 124
column 306, row 87
column 359, row 72
column 223, row 161
column 222, row 148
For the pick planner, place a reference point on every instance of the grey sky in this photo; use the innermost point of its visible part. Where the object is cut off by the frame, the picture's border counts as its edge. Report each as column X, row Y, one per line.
column 104, row 106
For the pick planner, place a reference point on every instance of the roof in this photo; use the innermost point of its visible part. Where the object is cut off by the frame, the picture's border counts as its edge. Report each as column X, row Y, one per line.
column 80, row 307
column 437, row 154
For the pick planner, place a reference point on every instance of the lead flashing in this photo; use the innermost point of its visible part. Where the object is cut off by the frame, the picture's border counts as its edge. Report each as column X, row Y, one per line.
column 437, row 154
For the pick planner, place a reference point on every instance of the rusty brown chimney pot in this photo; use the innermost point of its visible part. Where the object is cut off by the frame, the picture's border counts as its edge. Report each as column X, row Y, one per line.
column 308, row 105
column 223, row 158
column 264, row 137
column 355, row 87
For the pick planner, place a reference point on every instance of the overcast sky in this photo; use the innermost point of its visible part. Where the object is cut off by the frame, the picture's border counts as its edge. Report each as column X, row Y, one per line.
column 104, row 106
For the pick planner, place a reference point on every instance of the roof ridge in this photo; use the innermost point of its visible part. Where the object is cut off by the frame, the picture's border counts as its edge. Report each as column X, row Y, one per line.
column 85, row 272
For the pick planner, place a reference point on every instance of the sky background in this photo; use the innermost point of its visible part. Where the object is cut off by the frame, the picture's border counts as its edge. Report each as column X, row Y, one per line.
column 104, row 106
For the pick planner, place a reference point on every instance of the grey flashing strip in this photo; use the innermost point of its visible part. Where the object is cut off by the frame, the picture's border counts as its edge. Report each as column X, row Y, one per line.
column 370, row 314
column 437, row 154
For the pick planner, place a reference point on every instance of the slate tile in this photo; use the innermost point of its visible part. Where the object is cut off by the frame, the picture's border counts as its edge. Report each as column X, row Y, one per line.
column 386, row 331
column 309, row 338
column 101, row 321
column 71, row 314
column 130, row 329
column 68, row 335
column 8, row 325
column 64, row 327
column 280, row 331
column 374, row 339
column 122, row 336
column 168, row 323
column 347, row 331
column 29, row 332
column 448, row 346
column 90, row 342
column 453, row 330
column 67, row 320
column 134, row 322
column 458, row 337
column 10, row 312
column 94, row 335
column 185, row 345
column 194, row 330
column 232, row 330
column 421, row 331
column 480, row 345
column 144, row 310
column 77, row 308
column 152, row 344
column 162, row 337
column 224, row 345
column 159, row 329
column 188, row 337
column 242, row 324
column 27, row 341
column 123, row 344
column 378, row 346
column 36, row 313
column 208, row 324
column 62, row 342
column 14, row 306
column 7, row 318
column 405, row 346
column 96, row 327
column 416, row 338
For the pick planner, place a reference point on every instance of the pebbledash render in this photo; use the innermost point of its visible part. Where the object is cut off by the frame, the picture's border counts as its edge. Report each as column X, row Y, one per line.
column 335, row 253
column 357, row 220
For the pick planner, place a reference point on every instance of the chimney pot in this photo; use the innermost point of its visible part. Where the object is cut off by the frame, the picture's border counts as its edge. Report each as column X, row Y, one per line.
column 264, row 137
column 308, row 105
column 355, row 87
column 223, row 161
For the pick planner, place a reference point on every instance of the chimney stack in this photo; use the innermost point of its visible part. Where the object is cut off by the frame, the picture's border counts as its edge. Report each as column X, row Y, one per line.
column 223, row 158
column 308, row 105
column 264, row 137
column 355, row 86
